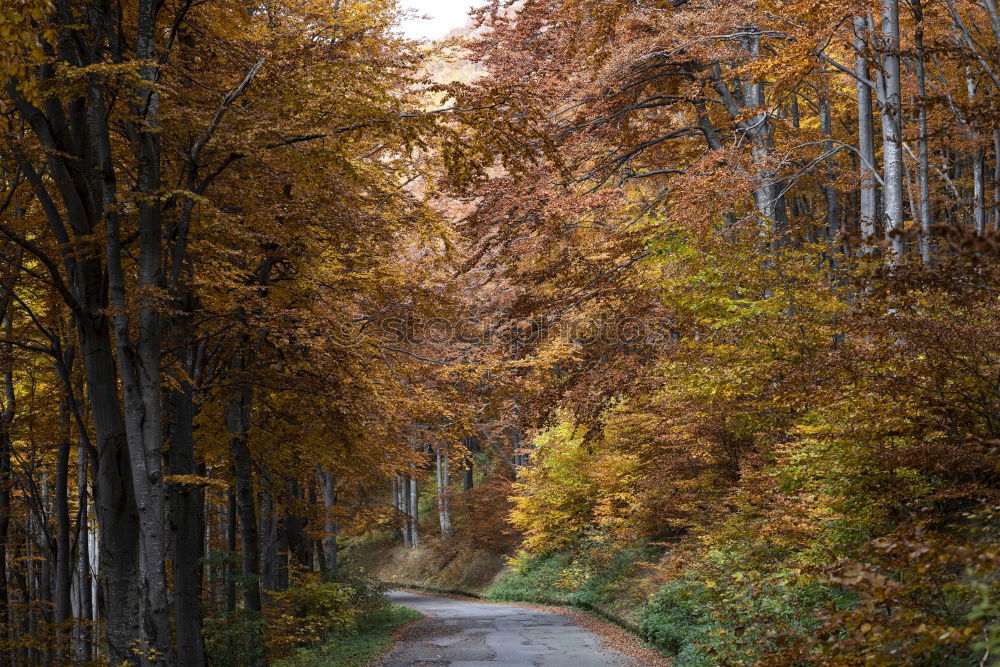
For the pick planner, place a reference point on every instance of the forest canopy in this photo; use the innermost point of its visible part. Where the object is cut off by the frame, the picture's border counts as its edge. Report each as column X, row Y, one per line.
column 688, row 307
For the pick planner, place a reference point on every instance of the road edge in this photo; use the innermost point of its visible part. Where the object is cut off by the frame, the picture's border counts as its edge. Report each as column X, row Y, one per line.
column 613, row 634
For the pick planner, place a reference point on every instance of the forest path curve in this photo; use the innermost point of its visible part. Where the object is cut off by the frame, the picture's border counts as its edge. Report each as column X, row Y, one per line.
column 468, row 633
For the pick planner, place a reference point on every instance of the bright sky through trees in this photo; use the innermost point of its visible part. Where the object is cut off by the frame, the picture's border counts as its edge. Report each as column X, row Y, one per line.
column 433, row 19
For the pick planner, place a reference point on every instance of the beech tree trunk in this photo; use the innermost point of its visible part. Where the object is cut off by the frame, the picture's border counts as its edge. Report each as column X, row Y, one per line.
column 84, row 589
column 268, row 546
column 330, row 528
column 238, row 418
column 866, row 133
column 62, row 593
column 114, row 502
column 892, row 126
column 444, row 512
column 231, row 547
column 186, row 521
column 298, row 545
column 414, row 508
column 397, row 531
column 829, row 190
column 923, row 147
column 978, row 159
column 405, row 514
column 6, row 442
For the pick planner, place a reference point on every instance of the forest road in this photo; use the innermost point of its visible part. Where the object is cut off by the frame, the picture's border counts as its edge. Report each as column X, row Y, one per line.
column 464, row 633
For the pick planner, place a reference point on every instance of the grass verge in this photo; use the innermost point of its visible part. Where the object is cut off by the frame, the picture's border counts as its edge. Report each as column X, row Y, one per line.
column 372, row 635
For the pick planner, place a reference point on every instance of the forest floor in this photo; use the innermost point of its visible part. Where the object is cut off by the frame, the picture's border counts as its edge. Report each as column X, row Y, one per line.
column 468, row 632
column 372, row 636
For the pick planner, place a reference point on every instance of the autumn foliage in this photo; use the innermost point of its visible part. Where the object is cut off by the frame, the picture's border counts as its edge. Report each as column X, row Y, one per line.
column 697, row 294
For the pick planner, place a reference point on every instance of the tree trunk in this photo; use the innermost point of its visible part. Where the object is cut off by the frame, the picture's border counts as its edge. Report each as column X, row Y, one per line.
column 923, row 148
column 407, row 515
column 414, row 508
column 231, row 548
column 62, row 593
column 866, row 133
column 829, row 191
column 84, row 590
column 268, row 545
column 768, row 195
column 330, row 528
column 444, row 514
column 298, row 544
column 397, row 532
column 138, row 359
column 978, row 158
column 238, row 420
column 187, row 523
column 114, row 501
column 892, row 127
column 468, row 476
column 6, row 443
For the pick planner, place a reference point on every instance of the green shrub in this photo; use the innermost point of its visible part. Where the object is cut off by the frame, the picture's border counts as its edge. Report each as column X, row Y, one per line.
column 675, row 620
column 367, row 596
column 733, row 617
column 534, row 579
column 234, row 639
column 371, row 635
column 309, row 611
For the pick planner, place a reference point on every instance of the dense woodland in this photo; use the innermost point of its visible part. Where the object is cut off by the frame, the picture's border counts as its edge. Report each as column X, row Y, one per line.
column 713, row 280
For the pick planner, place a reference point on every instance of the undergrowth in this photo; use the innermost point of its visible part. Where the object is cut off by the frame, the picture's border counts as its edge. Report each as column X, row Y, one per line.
column 371, row 635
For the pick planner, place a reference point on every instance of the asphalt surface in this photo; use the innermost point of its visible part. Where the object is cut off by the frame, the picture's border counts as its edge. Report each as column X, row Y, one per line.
column 465, row 633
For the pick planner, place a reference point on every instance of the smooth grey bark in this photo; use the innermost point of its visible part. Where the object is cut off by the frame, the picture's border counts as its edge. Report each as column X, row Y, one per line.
column 829, row 191
column 113, row 499
column 186, row 518
column 6, row 444
column 62, row 589
column 978, row 159
column 397, row 505
column 866, row 134
column 238, row 422
column 890, row 99
column 138, row 360
column 84, row 590
column 397, row 530
column 414, row 508
column 231, row 547
column 330, row 529
column 404, row 505
column 443, row 499
column 268, row 545
column 923, row 148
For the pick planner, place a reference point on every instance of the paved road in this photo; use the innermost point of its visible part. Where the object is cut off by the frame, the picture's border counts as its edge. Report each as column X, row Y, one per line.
column 464, row 633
